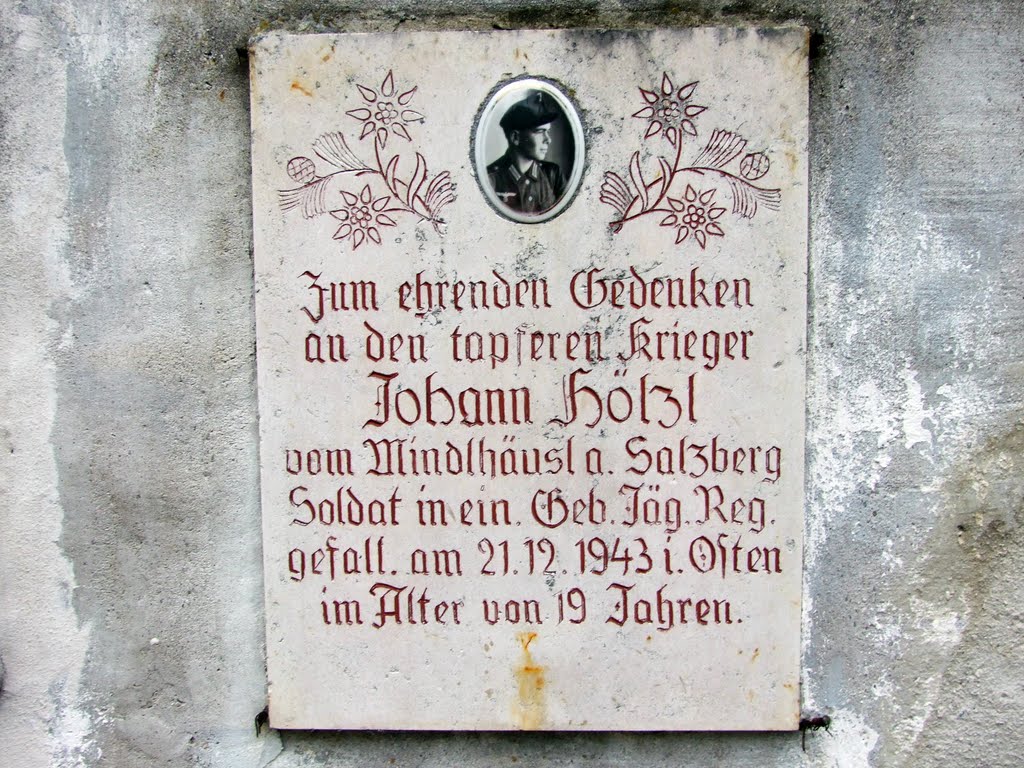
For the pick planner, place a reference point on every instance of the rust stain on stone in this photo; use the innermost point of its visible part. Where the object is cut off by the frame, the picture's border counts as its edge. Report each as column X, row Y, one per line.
column 297, row 86
column 529, row 709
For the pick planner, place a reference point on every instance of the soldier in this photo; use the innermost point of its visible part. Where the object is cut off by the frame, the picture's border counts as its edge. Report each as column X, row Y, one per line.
column 521, row 178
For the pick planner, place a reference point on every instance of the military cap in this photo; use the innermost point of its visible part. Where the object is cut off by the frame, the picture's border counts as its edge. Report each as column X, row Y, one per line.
column 532, row 112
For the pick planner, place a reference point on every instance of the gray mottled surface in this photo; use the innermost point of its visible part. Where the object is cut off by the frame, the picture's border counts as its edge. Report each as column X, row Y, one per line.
column 131, row 608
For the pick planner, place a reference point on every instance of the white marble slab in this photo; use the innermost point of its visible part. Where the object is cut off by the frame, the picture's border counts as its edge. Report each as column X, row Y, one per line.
column 532, row 456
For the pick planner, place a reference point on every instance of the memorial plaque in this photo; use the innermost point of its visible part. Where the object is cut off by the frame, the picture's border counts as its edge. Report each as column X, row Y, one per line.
column 530, row 313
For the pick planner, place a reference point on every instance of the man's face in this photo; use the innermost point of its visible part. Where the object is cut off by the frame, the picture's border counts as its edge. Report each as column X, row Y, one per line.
column 533, row 143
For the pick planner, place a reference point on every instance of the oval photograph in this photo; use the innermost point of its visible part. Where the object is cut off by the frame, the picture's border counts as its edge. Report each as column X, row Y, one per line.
column 528, row 150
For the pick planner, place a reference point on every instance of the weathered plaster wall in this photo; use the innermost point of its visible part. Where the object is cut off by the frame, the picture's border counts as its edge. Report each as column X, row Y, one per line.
column 131, row 606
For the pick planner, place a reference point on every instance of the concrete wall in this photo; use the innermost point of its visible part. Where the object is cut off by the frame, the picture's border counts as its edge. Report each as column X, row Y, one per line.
column 131, row 625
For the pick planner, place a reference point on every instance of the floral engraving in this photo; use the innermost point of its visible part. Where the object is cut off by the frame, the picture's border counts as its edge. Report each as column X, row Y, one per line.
column 695, row 213
column 384, row 113
column 361, row 217
column 682, row 193
column 670, row 112
column 366, row 207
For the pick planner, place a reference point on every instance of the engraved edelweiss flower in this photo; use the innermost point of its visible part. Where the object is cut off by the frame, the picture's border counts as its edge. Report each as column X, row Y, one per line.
column 361, row 216
column 696, row 213
column 670, row 112
column 385, row 113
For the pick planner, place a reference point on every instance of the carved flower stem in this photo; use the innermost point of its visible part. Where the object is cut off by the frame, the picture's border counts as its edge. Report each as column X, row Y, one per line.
column 664, row 190
column 668, row 183
column 394, row 192
column 700, row 171
column 675, row 163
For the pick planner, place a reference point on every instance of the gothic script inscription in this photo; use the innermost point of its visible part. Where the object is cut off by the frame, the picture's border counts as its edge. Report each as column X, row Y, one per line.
column 530, row 313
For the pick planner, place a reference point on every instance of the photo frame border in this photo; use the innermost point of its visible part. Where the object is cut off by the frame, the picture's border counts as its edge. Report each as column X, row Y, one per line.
column 485, row 117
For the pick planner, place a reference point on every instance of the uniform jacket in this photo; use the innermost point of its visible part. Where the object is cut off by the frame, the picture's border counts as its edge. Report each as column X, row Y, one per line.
column 532, row 192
